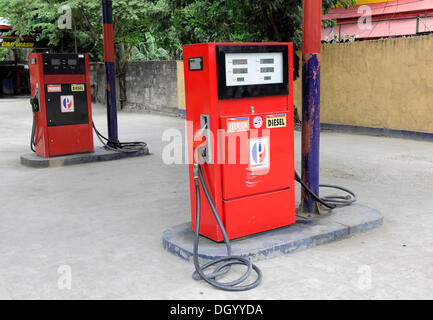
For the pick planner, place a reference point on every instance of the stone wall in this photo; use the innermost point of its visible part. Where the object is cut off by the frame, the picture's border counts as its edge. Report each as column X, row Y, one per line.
column 142, row 86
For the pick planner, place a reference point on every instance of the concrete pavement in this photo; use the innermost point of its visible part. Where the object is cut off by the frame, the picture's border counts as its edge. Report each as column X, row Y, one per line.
column 93, row 231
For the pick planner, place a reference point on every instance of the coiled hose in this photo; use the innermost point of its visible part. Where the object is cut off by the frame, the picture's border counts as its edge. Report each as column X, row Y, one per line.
column 330, row 202
column 128, row 147
column 226, row 262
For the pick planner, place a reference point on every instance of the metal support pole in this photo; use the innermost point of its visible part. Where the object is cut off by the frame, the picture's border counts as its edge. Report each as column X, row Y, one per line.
column 110, row 73
column 311, row 39
column 17, row 71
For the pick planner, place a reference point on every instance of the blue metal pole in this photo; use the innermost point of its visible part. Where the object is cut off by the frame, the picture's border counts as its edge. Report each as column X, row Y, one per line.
column 310, row 126
column 110, row 73
column 312, row 13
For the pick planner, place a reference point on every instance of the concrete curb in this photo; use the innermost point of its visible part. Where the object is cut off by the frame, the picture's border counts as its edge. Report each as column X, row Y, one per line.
column 304, row 234
column 100, row 154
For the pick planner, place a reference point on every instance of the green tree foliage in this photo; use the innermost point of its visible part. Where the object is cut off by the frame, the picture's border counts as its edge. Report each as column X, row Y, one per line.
column 156, row 29
column 4, row 54
column 242, row 20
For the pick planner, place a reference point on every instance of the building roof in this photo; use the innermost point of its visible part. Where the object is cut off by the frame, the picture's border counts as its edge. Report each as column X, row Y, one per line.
column 4, row 24
column 388, row 19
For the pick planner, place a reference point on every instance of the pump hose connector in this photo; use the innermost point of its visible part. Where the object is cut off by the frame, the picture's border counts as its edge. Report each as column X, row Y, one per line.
column 225, row 263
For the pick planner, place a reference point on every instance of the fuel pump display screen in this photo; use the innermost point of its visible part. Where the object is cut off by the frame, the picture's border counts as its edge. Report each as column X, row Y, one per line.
column 252, row 70
column 64, row 63
column 259, row 68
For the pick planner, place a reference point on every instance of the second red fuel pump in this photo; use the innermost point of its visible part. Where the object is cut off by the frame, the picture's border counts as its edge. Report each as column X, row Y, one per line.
column 61, row 100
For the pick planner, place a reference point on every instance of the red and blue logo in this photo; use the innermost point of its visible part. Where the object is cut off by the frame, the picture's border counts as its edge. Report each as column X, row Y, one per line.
column 67, row 103
column 259, row 153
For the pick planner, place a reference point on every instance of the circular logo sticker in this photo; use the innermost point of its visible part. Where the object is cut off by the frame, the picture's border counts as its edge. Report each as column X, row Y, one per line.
column 258, row 122
column 258, row 152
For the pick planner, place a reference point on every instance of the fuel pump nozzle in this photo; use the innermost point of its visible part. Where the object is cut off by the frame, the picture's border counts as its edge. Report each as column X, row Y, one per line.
column 204, row 139
column 34, row 101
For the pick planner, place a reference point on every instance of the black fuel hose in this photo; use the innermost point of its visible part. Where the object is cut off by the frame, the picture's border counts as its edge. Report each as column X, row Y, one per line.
column 226, row 262
column 330, row 202
column 32, row 137
column 128, row 147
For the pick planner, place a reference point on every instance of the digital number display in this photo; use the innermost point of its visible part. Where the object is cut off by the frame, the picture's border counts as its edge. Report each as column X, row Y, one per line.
column 266, row 61
column 63, row 63
column 269, row 69
column 240, row 70
column 253, row 68
column 239, row 61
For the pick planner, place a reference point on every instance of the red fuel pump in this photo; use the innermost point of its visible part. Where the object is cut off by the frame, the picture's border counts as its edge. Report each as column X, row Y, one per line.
column 239, row 111
column 240, row 98
column 61, row 102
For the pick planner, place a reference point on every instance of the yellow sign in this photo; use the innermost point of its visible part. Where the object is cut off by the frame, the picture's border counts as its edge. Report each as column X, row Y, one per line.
column 77, row 87
column 13, row 44
column 371, row 1
column 276, row 121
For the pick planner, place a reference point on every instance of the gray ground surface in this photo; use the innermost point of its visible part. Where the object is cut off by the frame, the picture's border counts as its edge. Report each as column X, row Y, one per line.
column 103, row 222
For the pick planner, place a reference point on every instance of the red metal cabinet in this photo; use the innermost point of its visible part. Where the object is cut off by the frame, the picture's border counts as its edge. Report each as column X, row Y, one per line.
column 246, row 89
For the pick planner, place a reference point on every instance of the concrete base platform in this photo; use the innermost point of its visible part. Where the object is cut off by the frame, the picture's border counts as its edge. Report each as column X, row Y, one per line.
column 100, row 154
column 304, row 234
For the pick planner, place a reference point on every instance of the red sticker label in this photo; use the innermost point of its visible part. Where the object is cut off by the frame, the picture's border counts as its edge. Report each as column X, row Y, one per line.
column 54, row 88
column 238, row 124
